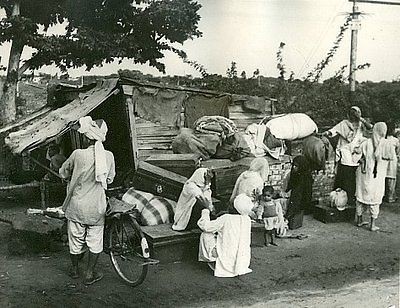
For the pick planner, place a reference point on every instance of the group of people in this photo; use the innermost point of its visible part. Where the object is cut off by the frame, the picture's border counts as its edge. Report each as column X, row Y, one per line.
column 363, row 165
column 365, row 161
column 226, row 237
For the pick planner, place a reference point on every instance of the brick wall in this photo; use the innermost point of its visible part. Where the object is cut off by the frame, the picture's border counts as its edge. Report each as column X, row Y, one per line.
column 278, row 172
column 323, row 180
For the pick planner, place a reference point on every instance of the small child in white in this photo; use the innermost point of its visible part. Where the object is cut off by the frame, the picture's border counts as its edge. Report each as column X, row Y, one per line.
column 272, row 209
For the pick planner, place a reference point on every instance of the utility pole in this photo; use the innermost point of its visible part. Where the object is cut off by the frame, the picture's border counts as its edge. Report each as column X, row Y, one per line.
column 355, row 26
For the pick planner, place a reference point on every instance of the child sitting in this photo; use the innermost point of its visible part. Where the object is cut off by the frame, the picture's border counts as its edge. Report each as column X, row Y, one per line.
column 272, row 211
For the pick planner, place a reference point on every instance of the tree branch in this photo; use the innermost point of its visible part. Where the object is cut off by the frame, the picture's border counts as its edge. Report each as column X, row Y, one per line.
column 24, row 68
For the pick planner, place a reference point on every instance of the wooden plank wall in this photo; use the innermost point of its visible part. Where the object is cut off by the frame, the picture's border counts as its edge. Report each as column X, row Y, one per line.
column 155, row 139
column 244, row 118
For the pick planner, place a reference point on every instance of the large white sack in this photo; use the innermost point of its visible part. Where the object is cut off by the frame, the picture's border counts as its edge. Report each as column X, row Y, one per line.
column 292, row 126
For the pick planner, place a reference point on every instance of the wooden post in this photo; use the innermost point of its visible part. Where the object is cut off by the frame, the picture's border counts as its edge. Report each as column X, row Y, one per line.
column 130, row 113
column 355, row 25
column 353, row 49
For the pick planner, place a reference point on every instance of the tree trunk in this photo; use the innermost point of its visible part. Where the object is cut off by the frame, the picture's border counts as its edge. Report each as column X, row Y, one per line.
column 9, row 91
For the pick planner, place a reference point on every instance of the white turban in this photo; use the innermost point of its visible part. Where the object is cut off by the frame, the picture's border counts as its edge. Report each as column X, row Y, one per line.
column 92, row 131
column 243, row 204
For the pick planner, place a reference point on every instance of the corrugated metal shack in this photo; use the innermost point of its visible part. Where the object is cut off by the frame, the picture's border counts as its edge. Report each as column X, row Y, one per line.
column 143, row 118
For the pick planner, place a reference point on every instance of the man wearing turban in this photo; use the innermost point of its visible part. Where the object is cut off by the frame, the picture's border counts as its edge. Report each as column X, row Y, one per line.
column 88, row 171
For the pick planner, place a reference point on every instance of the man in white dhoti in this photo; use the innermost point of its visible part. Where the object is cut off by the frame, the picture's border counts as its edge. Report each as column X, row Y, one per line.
column 88, row 171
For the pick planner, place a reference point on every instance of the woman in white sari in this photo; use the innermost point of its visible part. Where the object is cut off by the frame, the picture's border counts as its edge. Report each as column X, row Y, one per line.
column 195, row 195
column 370, row 180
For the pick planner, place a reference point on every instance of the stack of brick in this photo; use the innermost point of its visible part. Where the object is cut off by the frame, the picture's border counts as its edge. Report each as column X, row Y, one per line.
column 323, row 179
column 323, row 183
column 278, row 170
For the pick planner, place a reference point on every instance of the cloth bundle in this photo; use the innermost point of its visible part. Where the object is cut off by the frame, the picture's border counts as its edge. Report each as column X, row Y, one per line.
column 338, row 199
column 261, row 142
column 317, row 151
column 153, row 210
column 188, row 142
column 233, row 148
column 292, row 126
column 218, row 125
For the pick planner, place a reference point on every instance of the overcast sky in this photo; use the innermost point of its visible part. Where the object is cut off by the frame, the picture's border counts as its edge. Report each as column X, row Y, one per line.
column 250, row 31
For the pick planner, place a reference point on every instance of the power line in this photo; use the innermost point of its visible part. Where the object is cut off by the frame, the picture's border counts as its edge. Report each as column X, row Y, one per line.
column 317, row 45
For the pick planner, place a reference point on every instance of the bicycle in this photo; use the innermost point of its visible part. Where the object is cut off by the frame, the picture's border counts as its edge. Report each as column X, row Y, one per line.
column 125, row 243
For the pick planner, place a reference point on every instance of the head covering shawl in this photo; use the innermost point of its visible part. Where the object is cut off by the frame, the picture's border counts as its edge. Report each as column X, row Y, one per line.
column 194, row 186
column 96, row 132
column 356, row 109
column 378, row 133
column 198, row 177
column 381, row 148
column 261, row 166
column 251, row 179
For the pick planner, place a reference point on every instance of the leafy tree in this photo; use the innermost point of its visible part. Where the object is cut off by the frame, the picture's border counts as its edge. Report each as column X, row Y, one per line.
column 256, row 73
column 231, row 72
column 96, row 32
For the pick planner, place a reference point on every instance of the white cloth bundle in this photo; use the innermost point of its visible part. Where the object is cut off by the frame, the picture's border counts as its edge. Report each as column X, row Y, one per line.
column 292, row 126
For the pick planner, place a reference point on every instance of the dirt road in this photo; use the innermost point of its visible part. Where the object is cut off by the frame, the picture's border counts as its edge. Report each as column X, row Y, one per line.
column 339, row 265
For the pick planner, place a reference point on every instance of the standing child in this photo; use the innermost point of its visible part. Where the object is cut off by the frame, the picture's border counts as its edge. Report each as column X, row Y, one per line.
column 272, row 211
column 390, row 193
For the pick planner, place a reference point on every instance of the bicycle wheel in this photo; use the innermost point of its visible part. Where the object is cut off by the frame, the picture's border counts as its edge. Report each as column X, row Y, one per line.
column 128, row 252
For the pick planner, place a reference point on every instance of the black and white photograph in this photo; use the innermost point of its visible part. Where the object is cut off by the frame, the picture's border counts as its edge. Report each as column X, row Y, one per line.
column 199, row 153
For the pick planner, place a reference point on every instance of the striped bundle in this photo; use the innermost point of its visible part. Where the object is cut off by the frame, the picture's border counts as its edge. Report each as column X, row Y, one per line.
column 154, row 210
